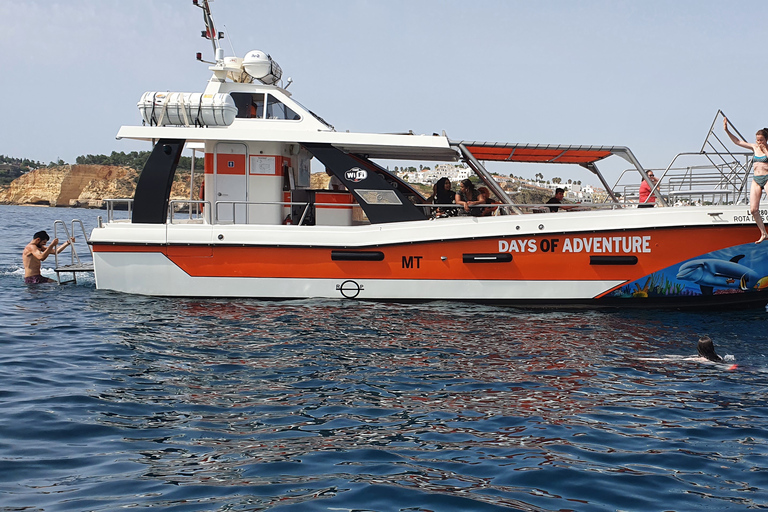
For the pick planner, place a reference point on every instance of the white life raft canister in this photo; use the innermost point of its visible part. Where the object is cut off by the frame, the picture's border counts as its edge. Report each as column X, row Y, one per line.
column 187, row 109
column 261, row 67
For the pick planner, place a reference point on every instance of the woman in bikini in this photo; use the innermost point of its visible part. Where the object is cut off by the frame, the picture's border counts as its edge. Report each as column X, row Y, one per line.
column 759, row 173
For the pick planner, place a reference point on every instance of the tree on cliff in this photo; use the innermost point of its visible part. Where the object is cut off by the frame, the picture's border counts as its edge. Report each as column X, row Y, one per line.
column 19, row 164
column 134, row 160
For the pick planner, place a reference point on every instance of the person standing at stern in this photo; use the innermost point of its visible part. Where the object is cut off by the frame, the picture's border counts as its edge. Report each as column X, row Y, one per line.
column 759, row 172
column 647, row 200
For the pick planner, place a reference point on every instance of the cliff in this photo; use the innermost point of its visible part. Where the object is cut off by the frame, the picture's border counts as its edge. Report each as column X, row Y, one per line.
column 83, row 185
column 89, row 185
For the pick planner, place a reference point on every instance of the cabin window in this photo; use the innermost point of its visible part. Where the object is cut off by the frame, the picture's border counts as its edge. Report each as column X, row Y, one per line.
column 249, row 106
column 276, row 109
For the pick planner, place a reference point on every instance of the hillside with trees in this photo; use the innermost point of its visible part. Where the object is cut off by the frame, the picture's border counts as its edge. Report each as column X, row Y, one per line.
column 11, row 168
column 134, row 160
column 87, row 182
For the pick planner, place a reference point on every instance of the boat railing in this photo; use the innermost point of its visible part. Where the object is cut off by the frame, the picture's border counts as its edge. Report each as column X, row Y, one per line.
column 237, row 212
column 572, row 207
column 503, row 209
column 712, row 175
column 235, row 215
column 113, row 205
column 715, row 184
column 187, row 211
column 123, row 208
column 684, row 185
column 240, row 212
column 75, row 264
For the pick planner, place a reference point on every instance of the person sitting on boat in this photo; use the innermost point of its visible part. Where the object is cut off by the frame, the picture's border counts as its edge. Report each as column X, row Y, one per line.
column 467, row 197
column 759, row 173
column 647, row 200
column 557, row 199
column 442, row 194
column 255, row 109
column 485, row 197
column 36, row 252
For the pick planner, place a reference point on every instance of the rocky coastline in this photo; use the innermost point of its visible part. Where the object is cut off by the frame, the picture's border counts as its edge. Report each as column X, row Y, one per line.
column 85, row 186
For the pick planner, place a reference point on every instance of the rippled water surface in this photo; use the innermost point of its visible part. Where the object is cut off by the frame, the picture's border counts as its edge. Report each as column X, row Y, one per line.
column 113, row 401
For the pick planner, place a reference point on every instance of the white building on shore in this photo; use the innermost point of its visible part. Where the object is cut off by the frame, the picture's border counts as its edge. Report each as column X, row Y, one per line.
column 574, row 192
column 429, row 176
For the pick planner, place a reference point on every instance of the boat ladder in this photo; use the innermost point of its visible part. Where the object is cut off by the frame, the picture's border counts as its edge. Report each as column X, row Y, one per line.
column 75, row 264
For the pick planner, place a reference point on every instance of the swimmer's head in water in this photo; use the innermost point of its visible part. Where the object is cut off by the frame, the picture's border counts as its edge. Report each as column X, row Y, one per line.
column 707, row 349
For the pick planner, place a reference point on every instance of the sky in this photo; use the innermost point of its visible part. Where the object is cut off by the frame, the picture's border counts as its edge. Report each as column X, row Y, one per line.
column 646, row 74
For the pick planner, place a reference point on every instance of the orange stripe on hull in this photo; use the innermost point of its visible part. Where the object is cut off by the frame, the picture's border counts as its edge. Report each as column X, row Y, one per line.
column 547, row 257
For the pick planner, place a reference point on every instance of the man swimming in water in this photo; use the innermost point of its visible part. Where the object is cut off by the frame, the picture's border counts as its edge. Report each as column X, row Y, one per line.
column 36, row 252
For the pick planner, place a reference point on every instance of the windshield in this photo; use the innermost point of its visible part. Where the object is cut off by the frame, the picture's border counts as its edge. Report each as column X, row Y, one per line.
column 326, row 123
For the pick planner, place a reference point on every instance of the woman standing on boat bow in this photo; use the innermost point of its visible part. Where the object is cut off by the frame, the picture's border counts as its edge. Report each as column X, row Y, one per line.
column 759, row 170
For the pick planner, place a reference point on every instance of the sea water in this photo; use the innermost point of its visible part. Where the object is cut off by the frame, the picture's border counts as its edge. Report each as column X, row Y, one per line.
column 111, row 401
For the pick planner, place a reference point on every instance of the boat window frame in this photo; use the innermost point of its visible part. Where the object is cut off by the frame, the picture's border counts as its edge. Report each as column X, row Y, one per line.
column 236, row 97
column 269, row 107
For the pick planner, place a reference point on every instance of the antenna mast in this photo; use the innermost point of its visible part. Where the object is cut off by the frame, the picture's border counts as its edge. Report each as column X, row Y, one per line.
column 210, row 30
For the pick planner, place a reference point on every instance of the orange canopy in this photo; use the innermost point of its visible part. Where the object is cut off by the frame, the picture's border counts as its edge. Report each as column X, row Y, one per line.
column 540, row 154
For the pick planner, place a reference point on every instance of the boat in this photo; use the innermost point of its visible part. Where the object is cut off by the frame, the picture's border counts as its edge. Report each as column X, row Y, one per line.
column 261, row 231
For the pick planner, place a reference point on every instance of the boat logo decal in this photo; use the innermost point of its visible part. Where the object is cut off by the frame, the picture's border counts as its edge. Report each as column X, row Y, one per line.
column 356, row 175
column 349, row 289
column 587, row 244
column 737, row 269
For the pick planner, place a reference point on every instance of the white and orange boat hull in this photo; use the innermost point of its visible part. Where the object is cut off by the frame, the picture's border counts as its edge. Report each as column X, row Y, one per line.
column 531, row 259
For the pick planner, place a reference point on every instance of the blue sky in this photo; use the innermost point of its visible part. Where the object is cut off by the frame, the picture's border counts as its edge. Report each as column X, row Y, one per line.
column 645, row 74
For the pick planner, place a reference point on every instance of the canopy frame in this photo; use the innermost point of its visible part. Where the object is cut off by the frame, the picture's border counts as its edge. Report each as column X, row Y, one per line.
column 584, row 156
